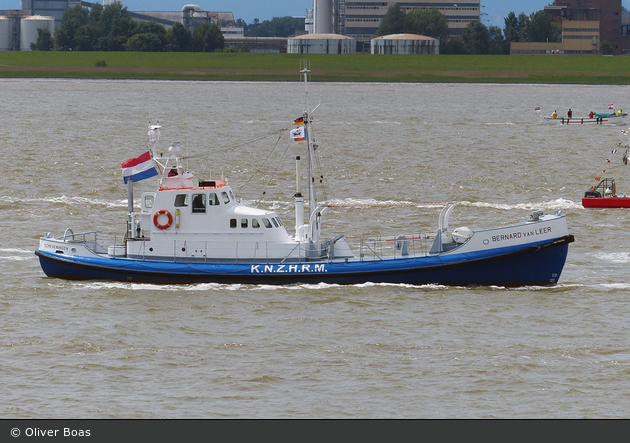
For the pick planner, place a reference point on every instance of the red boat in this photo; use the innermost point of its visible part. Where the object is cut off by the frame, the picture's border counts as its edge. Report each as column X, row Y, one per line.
column 604, row 195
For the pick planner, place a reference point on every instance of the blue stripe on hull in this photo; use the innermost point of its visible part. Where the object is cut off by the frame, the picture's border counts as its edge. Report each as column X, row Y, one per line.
column 538, row 264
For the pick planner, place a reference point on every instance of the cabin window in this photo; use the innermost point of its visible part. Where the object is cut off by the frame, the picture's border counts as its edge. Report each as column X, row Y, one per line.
column 275, row 223
column 243, row 223
column 199, row 203
column 225, row 197
column 181, row 200
column 255, row 223
column 232, row 223
column 213, row 200
column 279, row 221
column 267, row 223
column 148, row 201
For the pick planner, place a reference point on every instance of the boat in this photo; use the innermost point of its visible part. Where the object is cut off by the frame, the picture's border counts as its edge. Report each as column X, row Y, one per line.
column 604, row 195
column 599, row 118
column 197, row 231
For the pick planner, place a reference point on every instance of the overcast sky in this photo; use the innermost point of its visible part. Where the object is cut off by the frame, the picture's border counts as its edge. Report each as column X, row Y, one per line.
column 495, row 10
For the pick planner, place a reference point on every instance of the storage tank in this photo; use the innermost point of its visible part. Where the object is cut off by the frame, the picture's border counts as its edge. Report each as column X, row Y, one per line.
column 30, row 25
column 5, row 33
column 322, row 16
column 405, row 44
column 321, row 44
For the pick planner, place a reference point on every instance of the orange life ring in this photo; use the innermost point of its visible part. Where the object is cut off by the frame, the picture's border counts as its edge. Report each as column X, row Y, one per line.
column 157, row 215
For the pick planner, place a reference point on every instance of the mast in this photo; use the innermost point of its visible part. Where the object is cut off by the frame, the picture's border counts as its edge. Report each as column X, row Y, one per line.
column 312, row 207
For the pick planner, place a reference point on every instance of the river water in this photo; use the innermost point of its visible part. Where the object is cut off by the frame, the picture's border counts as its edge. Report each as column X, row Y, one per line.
column 391, row 154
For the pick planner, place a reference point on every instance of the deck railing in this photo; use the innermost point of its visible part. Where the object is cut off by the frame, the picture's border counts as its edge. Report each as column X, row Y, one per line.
column 376, row 248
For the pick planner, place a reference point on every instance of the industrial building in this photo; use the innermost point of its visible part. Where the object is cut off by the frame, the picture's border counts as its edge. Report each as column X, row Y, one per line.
column 361, row 19
column 189, row 16
column 586, row 24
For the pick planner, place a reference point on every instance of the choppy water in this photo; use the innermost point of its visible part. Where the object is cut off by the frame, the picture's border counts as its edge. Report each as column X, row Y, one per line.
column 390, row 152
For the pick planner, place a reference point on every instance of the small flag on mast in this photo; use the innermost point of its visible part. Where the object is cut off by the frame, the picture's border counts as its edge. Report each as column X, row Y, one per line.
column 297, row 134
column 298, row 121
column 537, row 109
column 611, row 106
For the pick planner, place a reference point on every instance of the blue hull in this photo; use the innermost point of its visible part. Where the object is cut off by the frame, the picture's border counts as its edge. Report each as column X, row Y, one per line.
column 536, row 264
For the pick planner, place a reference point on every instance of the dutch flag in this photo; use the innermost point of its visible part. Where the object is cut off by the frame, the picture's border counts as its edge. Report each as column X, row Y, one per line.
column 139, row 168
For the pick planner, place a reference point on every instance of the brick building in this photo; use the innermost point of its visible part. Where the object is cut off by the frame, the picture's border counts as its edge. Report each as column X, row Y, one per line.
column 607, row 12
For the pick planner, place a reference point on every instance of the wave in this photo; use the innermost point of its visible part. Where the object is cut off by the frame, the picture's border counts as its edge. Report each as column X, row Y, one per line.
column 614, row 257
column 64, row 199
column 556, row 204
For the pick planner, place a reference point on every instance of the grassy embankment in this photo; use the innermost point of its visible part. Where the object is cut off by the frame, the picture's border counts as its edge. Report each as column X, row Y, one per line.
column 284, row 67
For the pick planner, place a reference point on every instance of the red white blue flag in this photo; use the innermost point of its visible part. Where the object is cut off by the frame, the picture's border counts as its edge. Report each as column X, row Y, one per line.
column 139, row 168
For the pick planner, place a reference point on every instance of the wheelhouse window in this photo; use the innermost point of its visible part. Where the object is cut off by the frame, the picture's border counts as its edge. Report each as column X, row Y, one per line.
column 213, row 200
column 182, row 200
column 232, row 223
column 275, row 223
column 243, row 223
column 199, row 203
column 225, row 197
column 255, row 223
column 267, row 223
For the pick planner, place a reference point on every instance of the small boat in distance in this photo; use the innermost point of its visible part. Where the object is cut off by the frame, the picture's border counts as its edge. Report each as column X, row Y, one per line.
column 190, row 231
column 599, row 118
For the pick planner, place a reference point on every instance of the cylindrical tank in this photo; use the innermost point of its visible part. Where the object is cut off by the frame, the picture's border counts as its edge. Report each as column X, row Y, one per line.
column 323, row 17
column 30, row 25
column 5, row 33
column 321, row 44
column 405, row 44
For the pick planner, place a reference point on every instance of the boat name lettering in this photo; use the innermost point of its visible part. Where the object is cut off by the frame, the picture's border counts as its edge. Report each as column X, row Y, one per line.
column 279, row 269
column 55, row 246
column 514, row 235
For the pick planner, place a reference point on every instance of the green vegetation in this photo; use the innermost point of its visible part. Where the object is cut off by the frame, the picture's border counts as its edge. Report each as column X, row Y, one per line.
column 283, row 67
column 475, row 38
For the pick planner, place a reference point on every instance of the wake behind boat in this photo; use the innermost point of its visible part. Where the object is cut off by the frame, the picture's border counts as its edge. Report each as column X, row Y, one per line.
column 193, row 231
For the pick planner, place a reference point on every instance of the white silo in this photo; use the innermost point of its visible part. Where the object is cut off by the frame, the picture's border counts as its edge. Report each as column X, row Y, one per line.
column 322, row 16
column 5, row 34
column 30, row 25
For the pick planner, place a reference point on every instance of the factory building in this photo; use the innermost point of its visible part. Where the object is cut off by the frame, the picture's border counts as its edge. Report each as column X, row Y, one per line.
column 190, row 16
column 361, row 19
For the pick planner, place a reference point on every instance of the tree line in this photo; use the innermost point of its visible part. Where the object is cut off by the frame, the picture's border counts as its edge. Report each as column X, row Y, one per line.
column 111, row 28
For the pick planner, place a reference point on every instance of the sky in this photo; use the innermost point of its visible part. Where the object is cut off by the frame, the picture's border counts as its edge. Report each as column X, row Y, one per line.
column 248, row 10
